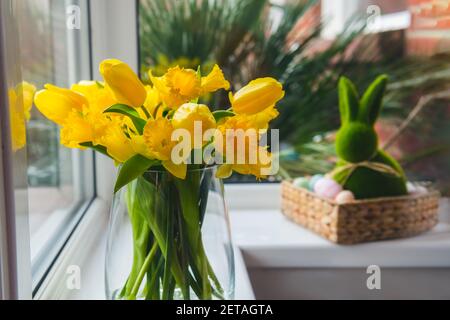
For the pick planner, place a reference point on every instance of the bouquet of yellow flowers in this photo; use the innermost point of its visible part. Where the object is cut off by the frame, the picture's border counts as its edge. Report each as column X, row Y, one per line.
column 161, row 128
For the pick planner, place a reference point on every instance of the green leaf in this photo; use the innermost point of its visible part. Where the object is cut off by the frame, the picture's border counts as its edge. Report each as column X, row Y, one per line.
column 220, row 114
column 131, row 113
column 98, row 148
column 133, row 168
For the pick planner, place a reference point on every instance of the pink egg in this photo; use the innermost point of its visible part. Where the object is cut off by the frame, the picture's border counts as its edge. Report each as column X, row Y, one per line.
column 327, row 188
column 345, row 197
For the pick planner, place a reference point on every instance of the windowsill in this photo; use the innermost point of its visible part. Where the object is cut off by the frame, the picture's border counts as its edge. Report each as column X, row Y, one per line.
column 93, row 275
column 264, row 238
column 269, row 240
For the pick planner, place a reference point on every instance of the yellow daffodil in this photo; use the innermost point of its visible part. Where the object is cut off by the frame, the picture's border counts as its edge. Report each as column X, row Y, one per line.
column 242, row 133
column 258, row 169
column 196, row 119
column 139, row 146
column 214, row 81
column 261, row 119
column 98, row 96
column 158, row 138
column 177, row 86
column 76, row 130
column 117, row 144
column 169, row 110
column 257, row 96
column 57, row 103
column 164, row 64
column 228, row 131
column 123, row 83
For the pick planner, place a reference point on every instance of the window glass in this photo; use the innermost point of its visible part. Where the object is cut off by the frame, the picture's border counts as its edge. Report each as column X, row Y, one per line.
column 308, row 45
column 54, row 48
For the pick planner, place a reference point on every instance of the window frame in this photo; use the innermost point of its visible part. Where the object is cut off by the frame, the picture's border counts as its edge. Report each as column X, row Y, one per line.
column 111, row 40
column 15, row 266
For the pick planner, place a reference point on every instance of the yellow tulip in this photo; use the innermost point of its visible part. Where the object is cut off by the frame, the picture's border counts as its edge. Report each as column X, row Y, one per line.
column 20, row 103
column 214, row 81
column 190, row 114
column 257, row 96
column 153, row 100
column 177, row 86
column 123, row 83
column 57, row 103
column 18, row 130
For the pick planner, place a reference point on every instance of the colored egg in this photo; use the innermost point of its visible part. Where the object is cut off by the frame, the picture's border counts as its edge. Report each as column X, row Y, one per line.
column 313, row 181
column 289, row 155
column 411, row 187
column 327, row 188
column 345, row 196
column 301, row 182
column 421, row 190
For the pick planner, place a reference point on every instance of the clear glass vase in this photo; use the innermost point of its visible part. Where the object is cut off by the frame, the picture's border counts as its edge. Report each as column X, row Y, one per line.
column 170, row 239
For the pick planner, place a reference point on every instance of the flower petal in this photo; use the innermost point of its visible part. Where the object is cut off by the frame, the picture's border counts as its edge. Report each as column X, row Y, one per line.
column 214, row 81
column 123, row 83
column 224, row 171
column 57, row 103
column 257, row 96
column 178, row 170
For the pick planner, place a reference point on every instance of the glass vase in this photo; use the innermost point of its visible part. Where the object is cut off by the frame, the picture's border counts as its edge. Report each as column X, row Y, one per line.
column 170, row 239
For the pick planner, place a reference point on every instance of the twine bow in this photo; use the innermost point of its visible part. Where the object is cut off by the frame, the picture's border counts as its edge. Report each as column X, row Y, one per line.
column 351, row 167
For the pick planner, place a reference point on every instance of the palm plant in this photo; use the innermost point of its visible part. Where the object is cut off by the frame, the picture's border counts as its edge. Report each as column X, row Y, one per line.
column 247, row 43
column 240, row 36
column 196, row 30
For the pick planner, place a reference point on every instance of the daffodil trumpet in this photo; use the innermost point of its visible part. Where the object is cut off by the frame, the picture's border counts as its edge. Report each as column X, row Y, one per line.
column 164, row 128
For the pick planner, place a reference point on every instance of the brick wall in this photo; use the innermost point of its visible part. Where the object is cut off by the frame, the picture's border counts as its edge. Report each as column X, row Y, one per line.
column 430, row 27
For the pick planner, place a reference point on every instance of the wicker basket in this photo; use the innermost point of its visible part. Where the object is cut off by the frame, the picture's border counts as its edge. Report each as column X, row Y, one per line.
column 361, row 220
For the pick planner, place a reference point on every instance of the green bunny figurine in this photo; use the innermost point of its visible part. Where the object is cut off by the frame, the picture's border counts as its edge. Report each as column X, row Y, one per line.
column 362, row 167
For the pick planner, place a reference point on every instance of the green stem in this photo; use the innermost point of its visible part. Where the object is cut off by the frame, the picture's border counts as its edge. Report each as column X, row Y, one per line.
column 143, row 270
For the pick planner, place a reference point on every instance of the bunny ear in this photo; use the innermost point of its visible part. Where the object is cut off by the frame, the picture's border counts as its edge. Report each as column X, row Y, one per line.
column 372, row 101
column 348, row 100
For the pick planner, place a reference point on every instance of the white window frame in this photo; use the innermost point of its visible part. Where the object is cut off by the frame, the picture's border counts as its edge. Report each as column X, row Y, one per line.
column 15, row 267
column 337, row 14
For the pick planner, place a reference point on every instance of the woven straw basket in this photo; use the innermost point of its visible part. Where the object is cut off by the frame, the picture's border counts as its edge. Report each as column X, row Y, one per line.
column 361, row 220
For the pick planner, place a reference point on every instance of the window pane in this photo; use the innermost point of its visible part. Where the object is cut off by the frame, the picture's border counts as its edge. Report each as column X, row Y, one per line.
column 308, row 45
column 53, row 52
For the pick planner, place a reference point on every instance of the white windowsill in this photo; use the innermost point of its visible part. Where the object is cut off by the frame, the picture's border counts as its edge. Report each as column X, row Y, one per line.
column 264, row 238
column 269, row 240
